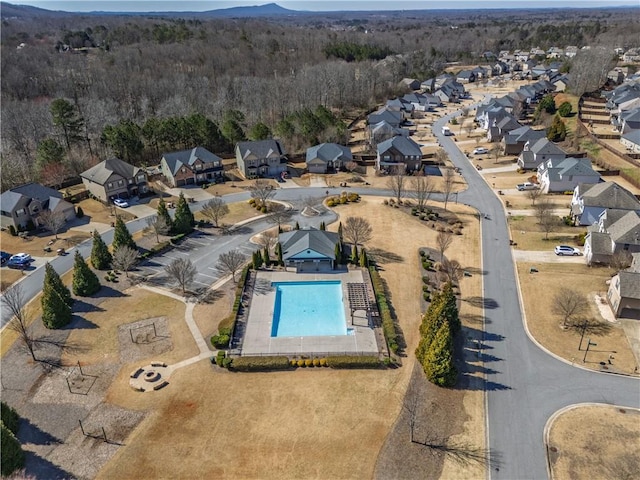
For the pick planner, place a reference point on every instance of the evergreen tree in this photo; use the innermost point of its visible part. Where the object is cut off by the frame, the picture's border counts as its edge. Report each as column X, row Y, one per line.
column 279, row 253
column 122, row 237
column 265, row 256
column 340, row 231
column 164, row 213
column 338, row 253
column 183, row 221
column 257, row 260
column 323, row 226
column 557, row 131
column 354, row 255
column 438, row 362
column 450, row 309
column 12, row 458
column 100, row 255
column 56, row 309
column 364, row 261
column 297, row 227
column 85, row 282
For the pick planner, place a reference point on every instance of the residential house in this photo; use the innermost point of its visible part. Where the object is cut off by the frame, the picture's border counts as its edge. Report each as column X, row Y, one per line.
column 481, row 72
column 398, row 153
column 571, row 51
column 422, row 102
column 114, row 178
column 624, row 291
column 466, row 76
column 400, row 106
column 630, row 120
column 382, row 131
column 450, row 91
column 261, row 158
column 616, row 232
column 327, row 156
column 631, row 141
column 502, row 127
column 190, row 167
column 536, row 152
column 309, row 250
column 21, row 206
column 565, row 174
column 393, row 118
column 590, row 200
column 409, row 83
column 514, row 141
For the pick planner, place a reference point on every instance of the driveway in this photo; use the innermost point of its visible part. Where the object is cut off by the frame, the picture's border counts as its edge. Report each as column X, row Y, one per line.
column 197, row 193
column 531, row 256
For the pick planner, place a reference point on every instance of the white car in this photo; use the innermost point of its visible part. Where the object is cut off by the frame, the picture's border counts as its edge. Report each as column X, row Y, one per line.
column 566, row 250
column 119, row 202
column 526, row 186
column 480, row 151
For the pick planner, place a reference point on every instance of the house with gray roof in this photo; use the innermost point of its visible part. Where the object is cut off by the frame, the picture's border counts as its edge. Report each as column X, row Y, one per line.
column 631, row 141
column 191, row 167
column 261, row 158
column 563, row 175
column 466, row 76
column 21, row 206
column 309, row 250
column 382, row 131
column 114, row 178
column 590, row 200
column 393, row 118
column 619, row 237
column 327, row 156
column 535, row 152
column 515, row 140
column 398, row 153
column 500, row 128
column 624, row 291
column 629, row 120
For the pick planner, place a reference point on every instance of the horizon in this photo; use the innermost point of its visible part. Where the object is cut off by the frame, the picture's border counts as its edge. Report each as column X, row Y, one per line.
column 135, row 6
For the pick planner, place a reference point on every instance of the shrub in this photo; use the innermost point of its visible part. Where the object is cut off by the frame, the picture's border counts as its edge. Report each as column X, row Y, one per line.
column 353, row 197
column 348, row 361
column 226, row 363
column 316, row 362
column 293, row 363
column 426, row 296
column 425, row 288
column 252, row 201
column 580, row 238
column 219, row 359
column 437, row 266
column 388, row 327
column 426, row 280
column 385, row 202
column 79, row 212
column 263, row 209
column 308, row 362
column 260, row 364
column 301, row 363
column 176, row 238
column 323, row 362
column 12, row 231
column 220, row 341
column 331, row 203
column 564, row 110
column 423, row 253
column 427, row 264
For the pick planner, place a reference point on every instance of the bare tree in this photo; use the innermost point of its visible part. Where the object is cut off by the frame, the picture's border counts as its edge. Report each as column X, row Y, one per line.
column 496, row 151
column 452, row 270
column 357, row 230
column 14, row 302
column 448, row 180
column 422, row 188
column 443, row 241
column 569, row 304
column 262, row 191
column 183, row 271
column 157, row 225
column 124, row 258
column 621, row 260
column 533, row 195
column 441, row 156
column 52, row 221
column 279, row 214
column 396, row 184
column 268, row 239
column 231, row 262
column 547, row 220
column 589, row 69
column 351, row 166
column 214, row 210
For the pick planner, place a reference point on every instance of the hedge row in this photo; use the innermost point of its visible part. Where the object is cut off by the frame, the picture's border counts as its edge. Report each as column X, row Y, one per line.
column 388, row 327
column 159, row 248
column 348, row 361
column 227, row 325
column 259, row 364
column 10, row 417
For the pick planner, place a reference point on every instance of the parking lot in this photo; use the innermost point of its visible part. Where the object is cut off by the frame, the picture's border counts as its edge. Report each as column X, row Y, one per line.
column 203, row 250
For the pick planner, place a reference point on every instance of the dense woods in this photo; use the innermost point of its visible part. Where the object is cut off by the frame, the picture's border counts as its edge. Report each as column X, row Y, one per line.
column 77, row 89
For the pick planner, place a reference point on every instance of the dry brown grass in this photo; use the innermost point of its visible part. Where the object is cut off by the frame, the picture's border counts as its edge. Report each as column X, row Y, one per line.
column 538, row 291
column 317, row 423
column 8, row 277
column 526, row 232
column 595, row 441
column 238, row 211
column 36, row 243
column 99, row 212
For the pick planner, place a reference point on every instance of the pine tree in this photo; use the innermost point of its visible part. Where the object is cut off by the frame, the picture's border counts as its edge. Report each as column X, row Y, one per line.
column 164, row 213
column 323, row 226
column 338, row 253
column 364, row 261
column 265, row 256
column 100, row 255
column 85, row 282
column 257, row 260
column 56, row 302
column 557, row 131
column 438, row 362
column 340, row 231
column 12, row 453
column 183, row 221
column 279, row 253
column 354, row 255
column 297, row 227
column 122, row 237
column 450, row 309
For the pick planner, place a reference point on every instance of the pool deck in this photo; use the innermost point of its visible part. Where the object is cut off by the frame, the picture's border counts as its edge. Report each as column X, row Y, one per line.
column 258, row 339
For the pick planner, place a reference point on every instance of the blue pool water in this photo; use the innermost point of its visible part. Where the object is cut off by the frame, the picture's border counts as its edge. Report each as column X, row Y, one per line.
column 308, row 309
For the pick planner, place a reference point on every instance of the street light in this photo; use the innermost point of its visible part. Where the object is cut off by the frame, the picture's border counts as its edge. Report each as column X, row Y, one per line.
column 589, row 344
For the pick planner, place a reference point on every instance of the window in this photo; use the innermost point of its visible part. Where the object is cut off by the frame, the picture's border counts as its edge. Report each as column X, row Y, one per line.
column 120, row 183
column 130, row 181
column 20, row 212
column 110, row 185
column 198, row 166
column 141, row 178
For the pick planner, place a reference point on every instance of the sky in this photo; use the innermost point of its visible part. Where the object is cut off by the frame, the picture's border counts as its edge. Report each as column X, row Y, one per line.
column 309, row 5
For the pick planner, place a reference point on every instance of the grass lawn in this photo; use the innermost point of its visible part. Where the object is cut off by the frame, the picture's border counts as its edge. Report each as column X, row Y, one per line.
column 538, row 290
column 99, row 212
column 35, row 244
column 595, row 441
column 9, row 276
column 310, row 423
column 238, row 211
column 526, row 232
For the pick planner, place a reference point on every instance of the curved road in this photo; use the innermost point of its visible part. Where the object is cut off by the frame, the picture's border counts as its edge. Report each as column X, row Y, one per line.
column 524, row 384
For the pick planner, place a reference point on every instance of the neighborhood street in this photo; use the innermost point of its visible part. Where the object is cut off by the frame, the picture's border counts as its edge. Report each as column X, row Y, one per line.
column 524, row 384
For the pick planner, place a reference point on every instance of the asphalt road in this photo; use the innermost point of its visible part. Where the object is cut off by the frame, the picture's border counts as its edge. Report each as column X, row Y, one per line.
column 524, row 384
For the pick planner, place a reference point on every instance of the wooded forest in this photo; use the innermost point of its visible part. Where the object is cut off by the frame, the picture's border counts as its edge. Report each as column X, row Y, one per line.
column 76, row 89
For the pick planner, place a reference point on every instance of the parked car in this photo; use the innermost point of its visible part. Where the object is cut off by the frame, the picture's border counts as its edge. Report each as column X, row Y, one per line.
column 480, row 151
column 4, row 257
column 19, row 260
column 120, row 202
column 566, row 250
column 526, row 186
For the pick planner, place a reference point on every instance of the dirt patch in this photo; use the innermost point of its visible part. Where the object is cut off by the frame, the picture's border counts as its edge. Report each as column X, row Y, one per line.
column 612, row 352
column 595, row 441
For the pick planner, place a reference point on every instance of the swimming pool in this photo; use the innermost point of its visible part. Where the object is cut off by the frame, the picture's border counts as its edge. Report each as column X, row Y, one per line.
column 308, row 309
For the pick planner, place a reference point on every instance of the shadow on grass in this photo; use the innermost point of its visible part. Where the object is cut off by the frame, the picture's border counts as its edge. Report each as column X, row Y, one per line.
column 211, row 296
column 383, row 256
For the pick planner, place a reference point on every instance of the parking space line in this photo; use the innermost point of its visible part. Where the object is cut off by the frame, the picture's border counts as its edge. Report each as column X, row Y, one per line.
column 202, row 283
column 205, row 275
column 203, row 244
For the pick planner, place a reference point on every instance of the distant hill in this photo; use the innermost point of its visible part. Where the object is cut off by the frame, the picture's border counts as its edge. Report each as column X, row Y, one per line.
column 268, row 10
column 8, row 10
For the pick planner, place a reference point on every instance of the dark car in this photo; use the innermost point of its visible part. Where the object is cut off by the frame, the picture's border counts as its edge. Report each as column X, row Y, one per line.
column 4, row 257
column 20, row 260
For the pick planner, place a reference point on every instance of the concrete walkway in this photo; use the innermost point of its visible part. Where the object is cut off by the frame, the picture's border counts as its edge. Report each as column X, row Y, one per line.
column 317, row 181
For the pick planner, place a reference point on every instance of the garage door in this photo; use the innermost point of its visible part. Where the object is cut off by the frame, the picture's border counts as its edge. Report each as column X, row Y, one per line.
column 191, row 181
